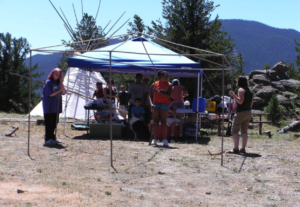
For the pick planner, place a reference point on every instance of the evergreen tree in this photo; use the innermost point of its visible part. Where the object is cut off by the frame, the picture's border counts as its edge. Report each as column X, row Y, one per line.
column 87, row 30
column 137, row 25
column 275, row 110
column 14, row 89
column 188, row 22
column 297, row 48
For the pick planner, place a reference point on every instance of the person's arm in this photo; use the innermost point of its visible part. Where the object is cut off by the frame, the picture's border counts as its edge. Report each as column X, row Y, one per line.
column 118, row 100
column 240, row 97
column 104, row 93
column 165, row 93
column 62, row 90
column 185, row 92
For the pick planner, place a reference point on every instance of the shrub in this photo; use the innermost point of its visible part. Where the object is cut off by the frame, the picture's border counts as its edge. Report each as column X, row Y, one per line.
column 275, row 110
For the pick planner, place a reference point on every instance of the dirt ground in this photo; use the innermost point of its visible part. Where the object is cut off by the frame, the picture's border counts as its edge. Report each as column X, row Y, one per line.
column 185, row 174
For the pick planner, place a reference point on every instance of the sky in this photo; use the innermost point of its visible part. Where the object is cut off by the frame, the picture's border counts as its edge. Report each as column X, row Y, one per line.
column 38, row 22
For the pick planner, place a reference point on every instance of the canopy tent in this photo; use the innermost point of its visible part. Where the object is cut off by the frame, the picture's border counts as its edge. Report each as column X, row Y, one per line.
column 139, row 55
column 80, row 85
column 144, row 56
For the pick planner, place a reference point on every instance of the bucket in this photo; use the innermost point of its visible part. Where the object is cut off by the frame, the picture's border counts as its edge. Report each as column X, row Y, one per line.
column 202, row 105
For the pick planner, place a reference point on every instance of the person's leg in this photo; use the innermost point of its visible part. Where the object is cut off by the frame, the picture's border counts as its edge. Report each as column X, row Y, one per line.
column 244, row 140
column 154, row 130
column 163, row 121
column 244, row 130
column 48, row 134
column 236, row 140
column 54, row 121
column 180, row 129
column 173, row 124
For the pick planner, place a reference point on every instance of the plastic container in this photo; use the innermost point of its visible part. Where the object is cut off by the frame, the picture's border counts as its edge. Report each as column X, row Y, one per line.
column 202, row 105
column 210, row 106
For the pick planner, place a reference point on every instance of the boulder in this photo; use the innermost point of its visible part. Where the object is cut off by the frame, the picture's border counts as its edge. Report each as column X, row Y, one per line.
column 274, row 76
column 256, row 72
column 280, row 68
column 290, row 84
column 290, row 95
column 256, row 88
column 257, row 101
column 262, row 79
column 266, row 92
column 283, row 101
column 278, row 85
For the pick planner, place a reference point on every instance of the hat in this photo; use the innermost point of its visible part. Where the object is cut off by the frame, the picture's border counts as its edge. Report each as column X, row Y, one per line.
column 145, row 77
column 175, row 80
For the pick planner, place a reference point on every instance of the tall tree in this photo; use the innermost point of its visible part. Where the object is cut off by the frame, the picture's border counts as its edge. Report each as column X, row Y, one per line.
column 14, row 89
column 188, row 22
column 137, row 25
column 87, row 30
column 297, row 48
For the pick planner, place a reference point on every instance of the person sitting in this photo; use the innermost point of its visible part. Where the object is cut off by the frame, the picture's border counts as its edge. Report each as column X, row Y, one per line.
column 137, row 121
column 110, row 91
column 99, row 91
column 122, row 101
column 172, row 122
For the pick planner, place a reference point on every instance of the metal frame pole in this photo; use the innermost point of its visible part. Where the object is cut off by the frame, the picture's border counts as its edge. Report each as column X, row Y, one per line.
column 223, row 83
column 29, row 101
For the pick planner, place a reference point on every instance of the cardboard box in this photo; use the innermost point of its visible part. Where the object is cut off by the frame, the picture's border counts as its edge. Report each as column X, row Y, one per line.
column 103, row 130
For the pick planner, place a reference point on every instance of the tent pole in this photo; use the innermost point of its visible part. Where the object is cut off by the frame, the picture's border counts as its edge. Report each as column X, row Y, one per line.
column 223, row 82
column 29, row 100
column 197, row 121
column 110, row 124
column 64, row 133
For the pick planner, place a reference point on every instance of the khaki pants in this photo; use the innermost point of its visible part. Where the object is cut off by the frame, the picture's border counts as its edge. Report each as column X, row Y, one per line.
column 241, row 122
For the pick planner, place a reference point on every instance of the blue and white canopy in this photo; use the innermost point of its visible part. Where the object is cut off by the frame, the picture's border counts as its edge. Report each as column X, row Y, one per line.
column 136, row 56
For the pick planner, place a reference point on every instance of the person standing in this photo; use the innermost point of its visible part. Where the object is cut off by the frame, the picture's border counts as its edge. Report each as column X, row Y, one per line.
column 123, row 101
column 178, row 93
column 52, row 104
column 161, row 92
column 148, row 103
column 244, row 100
column 137, row 90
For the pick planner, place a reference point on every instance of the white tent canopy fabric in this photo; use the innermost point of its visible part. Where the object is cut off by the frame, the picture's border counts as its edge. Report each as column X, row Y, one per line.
column 80, row 86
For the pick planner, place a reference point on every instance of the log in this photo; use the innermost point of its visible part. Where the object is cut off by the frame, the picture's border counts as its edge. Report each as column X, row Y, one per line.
column 291, row 127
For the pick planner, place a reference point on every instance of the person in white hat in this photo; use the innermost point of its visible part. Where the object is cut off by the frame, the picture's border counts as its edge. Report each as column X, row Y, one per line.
column 178, row 93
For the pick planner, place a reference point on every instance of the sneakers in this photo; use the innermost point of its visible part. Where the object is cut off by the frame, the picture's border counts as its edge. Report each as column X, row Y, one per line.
column 51, row 142
column 154, row 142
column 165, row 143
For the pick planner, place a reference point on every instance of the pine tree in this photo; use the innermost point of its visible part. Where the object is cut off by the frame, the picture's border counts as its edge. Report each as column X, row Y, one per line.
column 14, row 89
column 275, row 110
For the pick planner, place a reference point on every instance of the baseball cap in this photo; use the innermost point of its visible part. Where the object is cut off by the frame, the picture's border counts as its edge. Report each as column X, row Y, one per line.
column 175, row 80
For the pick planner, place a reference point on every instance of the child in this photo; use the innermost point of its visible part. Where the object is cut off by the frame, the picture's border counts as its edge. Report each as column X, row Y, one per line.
column 138, row 124
column 137, row 111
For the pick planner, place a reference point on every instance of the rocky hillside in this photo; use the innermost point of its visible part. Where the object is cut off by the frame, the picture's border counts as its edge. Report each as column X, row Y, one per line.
column 265, row 83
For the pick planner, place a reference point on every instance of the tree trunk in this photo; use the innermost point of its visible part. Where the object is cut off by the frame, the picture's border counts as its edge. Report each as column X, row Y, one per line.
column 291, row 127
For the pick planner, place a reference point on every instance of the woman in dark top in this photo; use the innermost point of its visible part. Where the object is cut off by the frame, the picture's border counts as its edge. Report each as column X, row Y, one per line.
column 242, row 117
column 52, row 103
column 114, row 91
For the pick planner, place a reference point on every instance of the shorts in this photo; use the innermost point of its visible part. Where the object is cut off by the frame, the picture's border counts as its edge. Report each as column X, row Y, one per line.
column 178, row 105
column 161, row 106
column 241, row 122
column 123, row 111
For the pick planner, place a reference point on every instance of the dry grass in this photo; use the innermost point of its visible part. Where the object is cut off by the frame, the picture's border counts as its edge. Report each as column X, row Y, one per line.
column 183, row 175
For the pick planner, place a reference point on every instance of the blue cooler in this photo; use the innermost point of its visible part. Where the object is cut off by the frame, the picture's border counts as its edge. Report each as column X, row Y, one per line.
column 202, row 105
